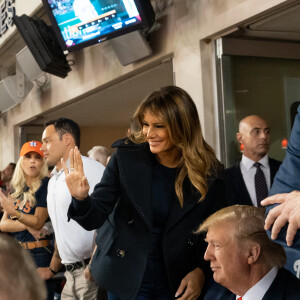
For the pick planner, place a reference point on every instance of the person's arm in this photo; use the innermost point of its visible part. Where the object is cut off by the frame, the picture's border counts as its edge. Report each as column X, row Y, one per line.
column 91, row 211
column 35, row 221
column 286, row 181
column 288, row 211
column 55, row 265
column 9, row 225
column 87, row 270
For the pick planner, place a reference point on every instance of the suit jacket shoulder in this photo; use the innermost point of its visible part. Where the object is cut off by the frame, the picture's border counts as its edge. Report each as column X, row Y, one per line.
column 274, row 166
column 285, row 286
column 235, row 187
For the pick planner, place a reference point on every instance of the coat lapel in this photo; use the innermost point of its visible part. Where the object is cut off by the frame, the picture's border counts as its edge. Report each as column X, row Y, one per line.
column 191, row 197
column 136, row 170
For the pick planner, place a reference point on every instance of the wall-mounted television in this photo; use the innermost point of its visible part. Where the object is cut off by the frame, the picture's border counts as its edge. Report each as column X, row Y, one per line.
column 82, row 23
column 42, row 43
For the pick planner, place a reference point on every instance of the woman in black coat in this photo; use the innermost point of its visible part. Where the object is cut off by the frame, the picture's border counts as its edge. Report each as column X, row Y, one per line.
column 160, row 184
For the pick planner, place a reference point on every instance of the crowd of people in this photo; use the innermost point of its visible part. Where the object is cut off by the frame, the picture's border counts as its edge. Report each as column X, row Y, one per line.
column 159, row 218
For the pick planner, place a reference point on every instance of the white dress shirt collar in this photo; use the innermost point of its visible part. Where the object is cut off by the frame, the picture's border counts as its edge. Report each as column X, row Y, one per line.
column 248, row 163
column 258, row 291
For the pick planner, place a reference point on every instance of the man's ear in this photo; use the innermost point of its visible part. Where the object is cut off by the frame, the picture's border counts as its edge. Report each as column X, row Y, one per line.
column 239, row 137
column 254, row 251
column 67, row 138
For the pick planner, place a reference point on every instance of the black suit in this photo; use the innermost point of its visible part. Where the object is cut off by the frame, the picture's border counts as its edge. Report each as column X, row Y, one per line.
column 120, row 208
column 285, row 286
column 236, row 190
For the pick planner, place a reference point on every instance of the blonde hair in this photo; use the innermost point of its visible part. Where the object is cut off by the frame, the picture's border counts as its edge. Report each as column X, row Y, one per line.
column 177, row 109
column 249, row 227
column 18, row 184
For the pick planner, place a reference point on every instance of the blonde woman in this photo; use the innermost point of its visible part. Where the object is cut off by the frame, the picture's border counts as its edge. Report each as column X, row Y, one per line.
column 25, row 209
column 159, row 185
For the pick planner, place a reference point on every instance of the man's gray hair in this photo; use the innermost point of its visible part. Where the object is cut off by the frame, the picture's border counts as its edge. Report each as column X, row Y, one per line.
column 249, row 227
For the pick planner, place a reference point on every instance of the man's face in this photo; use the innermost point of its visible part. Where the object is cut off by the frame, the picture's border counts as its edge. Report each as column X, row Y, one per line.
column 53, row 148
column 255, row 135
column 228, row 260
column 7, row 174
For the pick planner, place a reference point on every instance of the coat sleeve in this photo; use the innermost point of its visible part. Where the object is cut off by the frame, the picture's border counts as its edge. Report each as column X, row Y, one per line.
column 92, row 212
column 285, row 181
column 287, row 177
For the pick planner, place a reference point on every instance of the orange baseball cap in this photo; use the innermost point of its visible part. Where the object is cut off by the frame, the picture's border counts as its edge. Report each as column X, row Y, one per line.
column 32, row 146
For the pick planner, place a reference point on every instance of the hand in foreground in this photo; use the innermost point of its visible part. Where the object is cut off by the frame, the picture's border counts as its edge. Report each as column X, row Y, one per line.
column 45, row 273
column 38, row 234
column 191, row 285
column 75, row 179
column 7, row 204
column 88, row 274
column 288, row 211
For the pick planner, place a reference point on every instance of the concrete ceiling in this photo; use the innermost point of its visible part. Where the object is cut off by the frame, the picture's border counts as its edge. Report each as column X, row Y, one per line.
column 112, row 106
column 279, row 25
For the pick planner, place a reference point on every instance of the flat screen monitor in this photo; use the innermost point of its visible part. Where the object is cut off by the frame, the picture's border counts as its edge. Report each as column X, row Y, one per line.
column 81, row 23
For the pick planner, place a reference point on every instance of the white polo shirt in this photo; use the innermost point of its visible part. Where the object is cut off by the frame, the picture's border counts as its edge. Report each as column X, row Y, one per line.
column 73, row 242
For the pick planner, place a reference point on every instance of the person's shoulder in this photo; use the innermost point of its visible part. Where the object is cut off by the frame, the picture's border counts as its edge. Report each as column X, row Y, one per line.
column 126, row 143
column 291, row 279
column 45, row 180
column 232, row 169
column 274, row 161
column 91, row 163
column 43, row 187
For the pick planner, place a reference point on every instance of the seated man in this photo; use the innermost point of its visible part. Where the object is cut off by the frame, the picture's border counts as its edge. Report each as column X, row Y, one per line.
column 245, row 262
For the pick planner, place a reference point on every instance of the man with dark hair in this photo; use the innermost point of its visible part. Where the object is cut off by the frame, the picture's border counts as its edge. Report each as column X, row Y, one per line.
column 246, row 263
column 74, row 244
column 63, row 126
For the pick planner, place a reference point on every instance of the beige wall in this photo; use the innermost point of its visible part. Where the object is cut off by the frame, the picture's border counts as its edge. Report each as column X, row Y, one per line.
column 100, row 136
column 185, row 23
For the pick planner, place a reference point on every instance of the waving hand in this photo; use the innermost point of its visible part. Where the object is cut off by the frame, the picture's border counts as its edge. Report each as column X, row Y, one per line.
column 75, row 178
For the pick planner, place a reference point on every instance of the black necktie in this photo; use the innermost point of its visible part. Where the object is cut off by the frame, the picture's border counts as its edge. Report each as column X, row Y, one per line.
column 261, row 187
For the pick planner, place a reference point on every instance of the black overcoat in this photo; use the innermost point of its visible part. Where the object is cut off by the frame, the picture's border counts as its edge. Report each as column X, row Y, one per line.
column 120, row 210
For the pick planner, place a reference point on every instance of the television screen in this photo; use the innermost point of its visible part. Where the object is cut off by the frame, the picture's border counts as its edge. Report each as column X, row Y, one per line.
column 81, row 23
column 42, row 43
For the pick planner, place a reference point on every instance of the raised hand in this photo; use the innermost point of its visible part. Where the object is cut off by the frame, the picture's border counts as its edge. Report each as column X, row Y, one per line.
column 7, row 203
column 75, row 178
column 288, row 211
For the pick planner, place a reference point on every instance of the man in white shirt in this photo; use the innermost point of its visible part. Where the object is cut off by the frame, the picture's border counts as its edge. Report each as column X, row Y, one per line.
column 246, row 264
column 250, row 180
column 74, row 244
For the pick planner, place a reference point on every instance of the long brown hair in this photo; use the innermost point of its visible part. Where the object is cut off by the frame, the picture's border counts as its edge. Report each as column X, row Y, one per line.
column 177, row 109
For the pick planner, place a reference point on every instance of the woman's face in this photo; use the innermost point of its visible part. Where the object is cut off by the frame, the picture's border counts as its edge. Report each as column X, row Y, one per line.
column 157, row 135
column 32, row 164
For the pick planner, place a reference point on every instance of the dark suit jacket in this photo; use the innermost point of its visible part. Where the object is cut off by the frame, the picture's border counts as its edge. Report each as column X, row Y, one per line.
column 236, row 190
column 120, row 208
column 285, row 286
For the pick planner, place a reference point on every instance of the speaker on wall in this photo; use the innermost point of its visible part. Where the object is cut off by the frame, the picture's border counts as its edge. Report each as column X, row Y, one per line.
column 10, row 94
column 28, row 64
column 130, row 47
